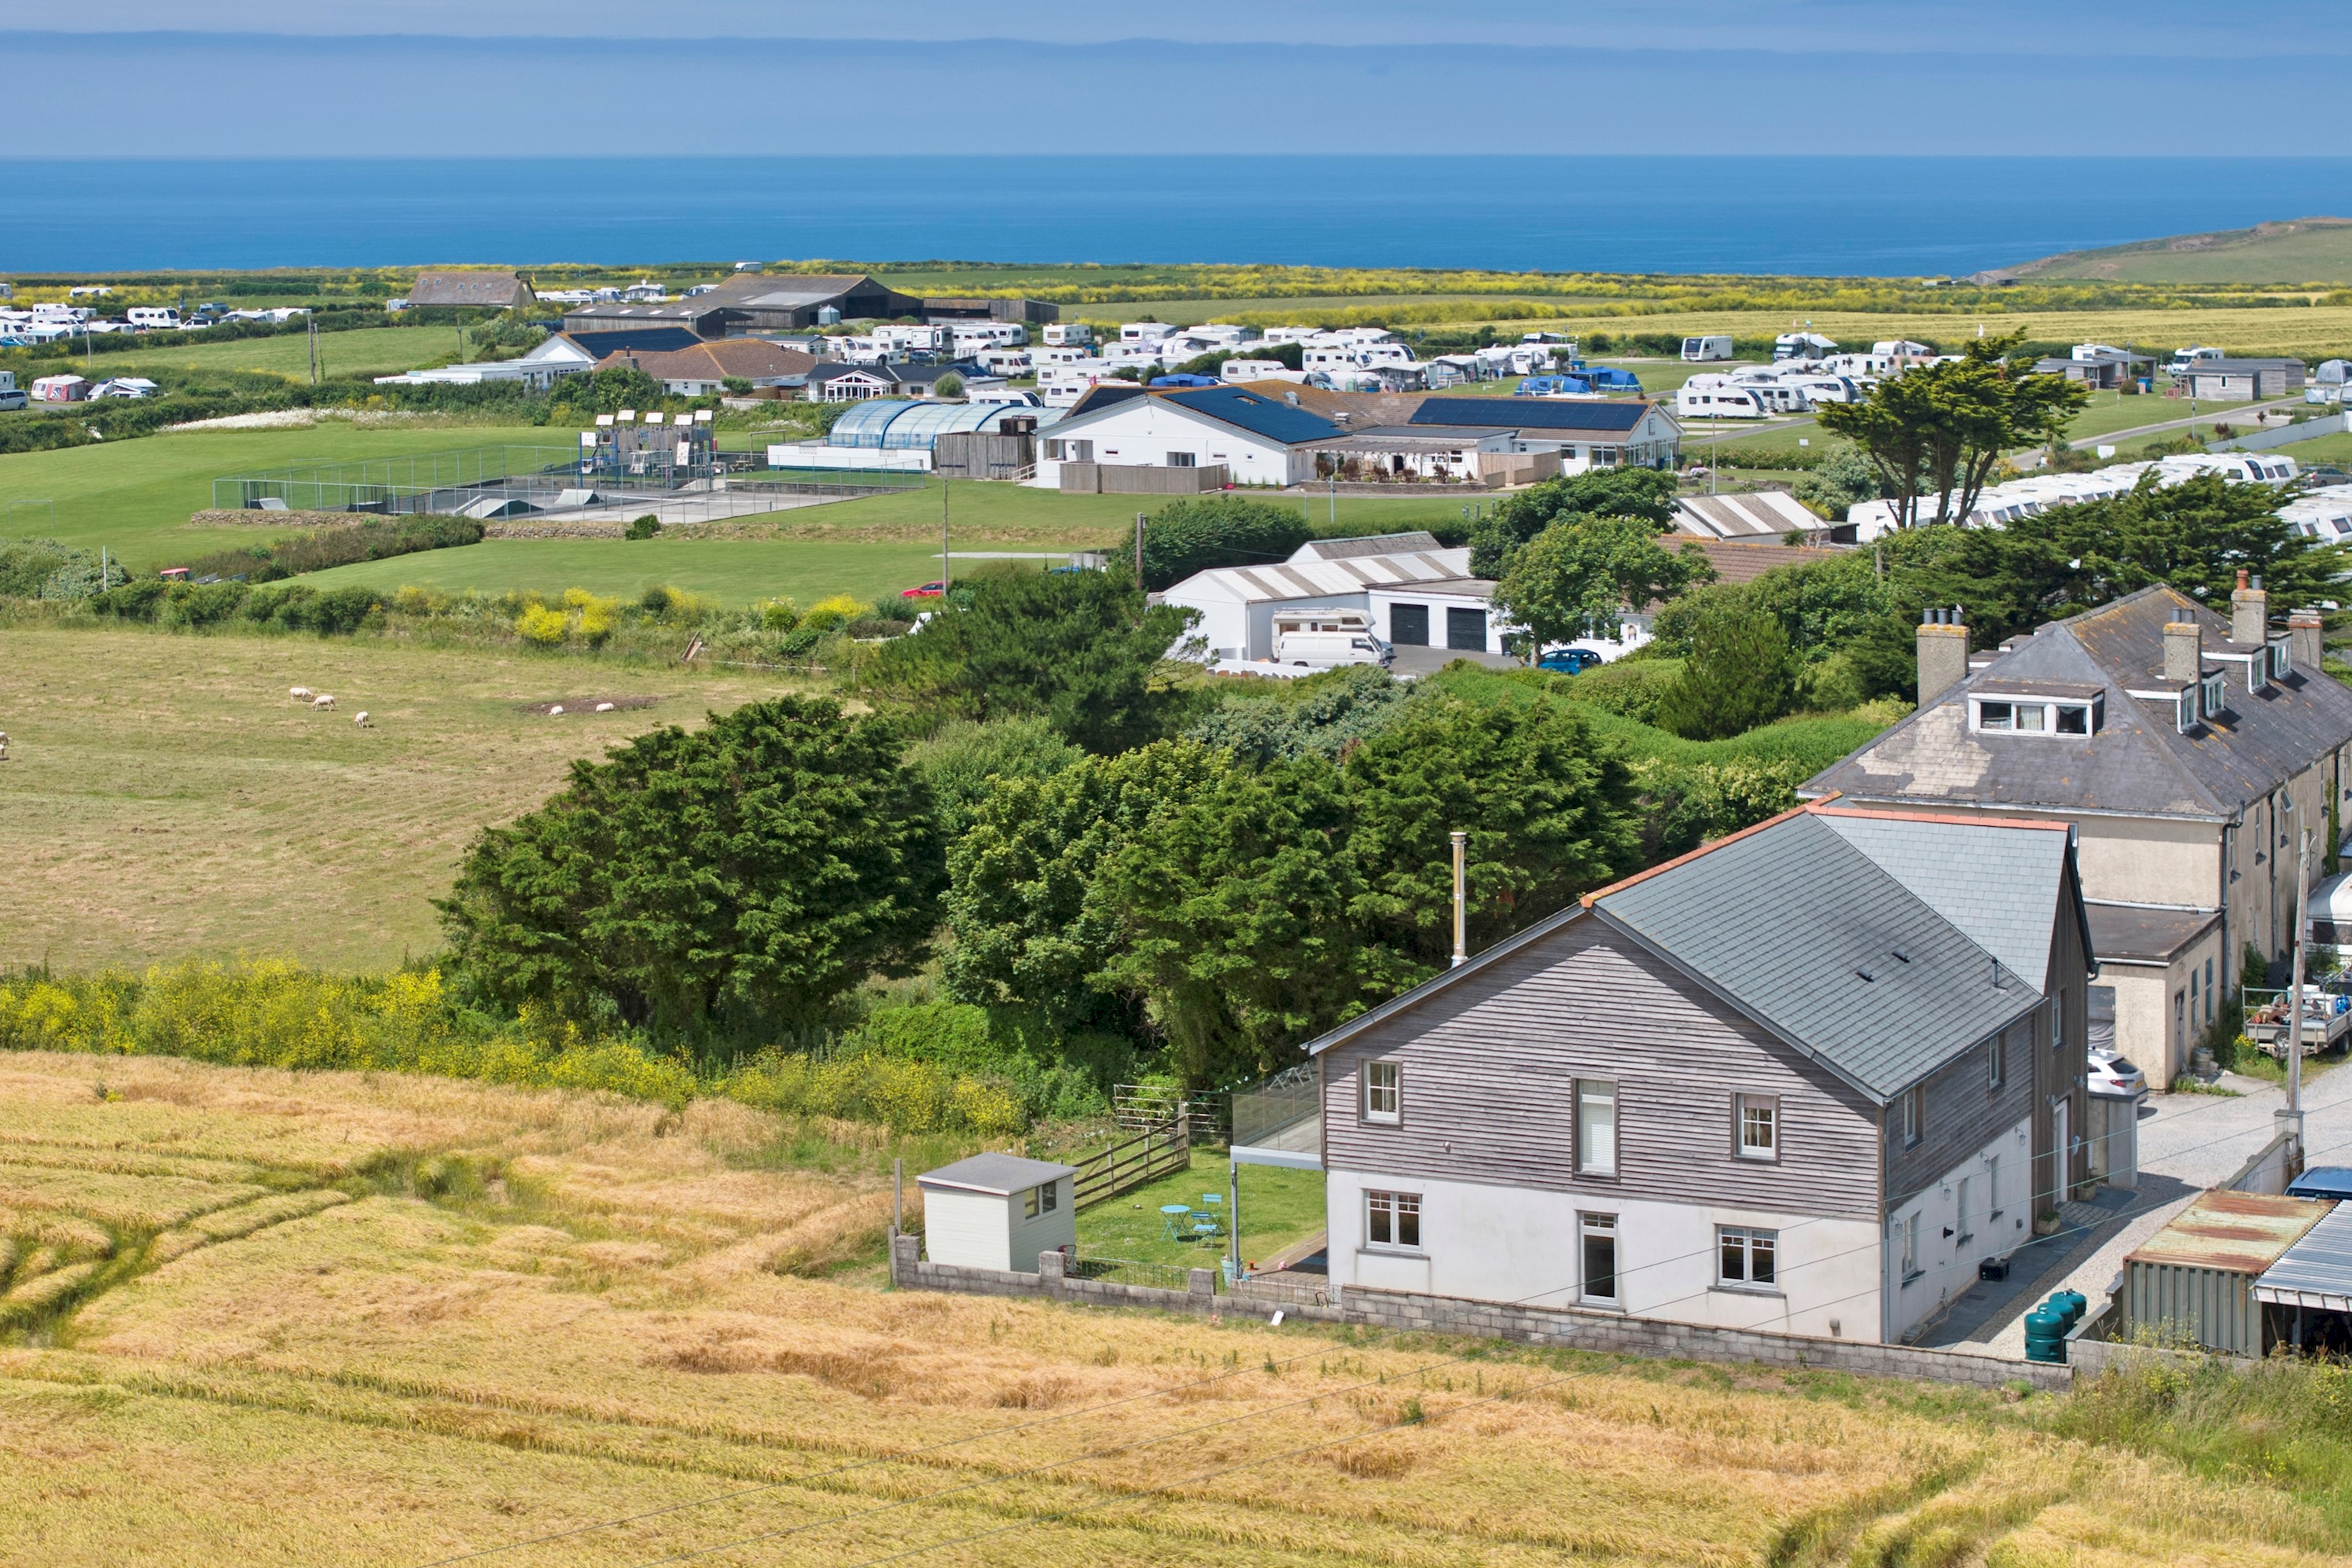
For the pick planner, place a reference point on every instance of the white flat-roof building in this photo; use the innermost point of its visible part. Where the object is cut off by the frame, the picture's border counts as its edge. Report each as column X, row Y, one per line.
column 1418, row 593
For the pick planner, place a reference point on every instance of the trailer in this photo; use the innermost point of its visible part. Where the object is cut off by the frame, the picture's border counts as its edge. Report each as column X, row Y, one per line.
column 2269, row 1017
column 1698, row 350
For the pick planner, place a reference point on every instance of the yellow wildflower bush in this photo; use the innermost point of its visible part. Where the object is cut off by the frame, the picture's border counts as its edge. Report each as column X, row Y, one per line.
column 543, row 624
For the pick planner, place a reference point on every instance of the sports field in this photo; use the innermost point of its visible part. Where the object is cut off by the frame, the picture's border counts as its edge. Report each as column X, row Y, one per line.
column 380, row 1320
column 364, row 352
column 162, row 794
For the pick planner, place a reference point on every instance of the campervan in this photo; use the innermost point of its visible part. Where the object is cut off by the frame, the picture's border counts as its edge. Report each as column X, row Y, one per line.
column 1698, row 351
column 1325, row 638
column 154, row 317
column 1801, row 346
column 2184, row 357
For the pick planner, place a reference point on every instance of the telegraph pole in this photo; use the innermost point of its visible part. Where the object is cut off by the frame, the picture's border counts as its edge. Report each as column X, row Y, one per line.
column 2293, row 1115
column 944, row 578
column 1138, row 550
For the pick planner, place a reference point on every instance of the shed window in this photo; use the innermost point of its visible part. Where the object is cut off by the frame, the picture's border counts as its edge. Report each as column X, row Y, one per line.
column 1392, row 1220
column 1759, row 1127
column 1746, row 1256
column 1914, row 1114
column 1049, row 1197
column 1596, row 1128
column 1383, row 1092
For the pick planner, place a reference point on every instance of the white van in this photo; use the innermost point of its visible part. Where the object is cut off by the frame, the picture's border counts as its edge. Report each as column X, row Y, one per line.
column 1699, row 349
column 154, row 317
column 2184, row 357
column 1325, row 638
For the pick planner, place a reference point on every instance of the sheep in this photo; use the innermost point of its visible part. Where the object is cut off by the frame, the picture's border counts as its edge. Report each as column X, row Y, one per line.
column 322, row 702
column 3, row 745
column 299, row 694
column 603, row 707
column 363, row 719
column 556, row 711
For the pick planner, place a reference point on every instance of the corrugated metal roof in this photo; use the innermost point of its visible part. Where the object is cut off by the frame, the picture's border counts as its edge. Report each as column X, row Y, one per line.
column 2234, row 1232
column 998, row 1174
column 1368, row 544
column 1998, row 884
column 1296, row 578
column 2316, row 1271
column 1800, row 928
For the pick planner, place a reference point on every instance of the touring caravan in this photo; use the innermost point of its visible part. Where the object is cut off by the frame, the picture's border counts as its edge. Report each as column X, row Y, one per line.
column 1724, row 401
column 154, row 317
column 1698, row 350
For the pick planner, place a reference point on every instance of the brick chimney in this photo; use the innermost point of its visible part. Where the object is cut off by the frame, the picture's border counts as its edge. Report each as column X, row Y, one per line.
column 2250, row 614
column 2184, row 649
column 1943, row 652
column 2306, row 642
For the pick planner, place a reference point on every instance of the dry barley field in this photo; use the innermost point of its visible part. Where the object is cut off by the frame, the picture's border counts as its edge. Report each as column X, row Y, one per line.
column 163, row 797
column 258, row 1317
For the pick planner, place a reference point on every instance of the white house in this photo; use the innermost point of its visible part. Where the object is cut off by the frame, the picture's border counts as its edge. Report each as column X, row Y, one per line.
column 998, row 1211
column 1619, row 433
column 1419, row 594
column 1256, row 438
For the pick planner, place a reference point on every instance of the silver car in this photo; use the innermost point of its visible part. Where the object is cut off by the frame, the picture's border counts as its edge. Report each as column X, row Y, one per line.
column 2115, row 1073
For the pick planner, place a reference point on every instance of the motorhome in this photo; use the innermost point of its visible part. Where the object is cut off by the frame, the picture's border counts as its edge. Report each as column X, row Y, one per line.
column 2184, row 357
column 1698, row 350
column 1326, row 637
column 1801, row 346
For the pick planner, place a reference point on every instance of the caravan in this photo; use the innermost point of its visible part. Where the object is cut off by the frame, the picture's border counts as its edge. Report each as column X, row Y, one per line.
column 1698, row 350
column 1721, row 401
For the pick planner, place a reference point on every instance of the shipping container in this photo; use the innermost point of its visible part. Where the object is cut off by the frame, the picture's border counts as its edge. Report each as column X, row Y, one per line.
column 2192, row 1283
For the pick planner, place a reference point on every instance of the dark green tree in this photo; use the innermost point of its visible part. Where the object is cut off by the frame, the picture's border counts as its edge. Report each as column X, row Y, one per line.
column 1317, row 717
column 732, row 880
column 1580, row 576
column 1026, row 933
column 1740, row 673
column 2196, row 536
column 1077, row 648
column 1198, row 533
column 1936, row 430
column 1645, row 493
column 1238, row 922
column 1550, row 811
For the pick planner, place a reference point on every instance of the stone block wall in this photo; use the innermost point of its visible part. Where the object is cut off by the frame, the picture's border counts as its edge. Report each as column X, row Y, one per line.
column 1605, row 1332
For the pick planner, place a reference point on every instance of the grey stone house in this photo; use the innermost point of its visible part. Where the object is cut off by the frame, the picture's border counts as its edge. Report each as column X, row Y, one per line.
column 2188, row 751
column 1802, row 1080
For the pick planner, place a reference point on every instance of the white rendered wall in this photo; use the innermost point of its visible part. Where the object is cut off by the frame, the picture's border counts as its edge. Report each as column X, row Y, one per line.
column 1948, row 1265
column 1519, row 1245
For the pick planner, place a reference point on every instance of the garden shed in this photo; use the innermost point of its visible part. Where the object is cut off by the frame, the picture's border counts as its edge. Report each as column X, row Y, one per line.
column 2192, row 1283
column 998, row 1211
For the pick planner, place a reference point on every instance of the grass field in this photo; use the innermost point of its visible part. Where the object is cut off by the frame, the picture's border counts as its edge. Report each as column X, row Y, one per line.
column 162, row 796
column 1278, row 1207
column 2313, row 251
column 333, row 1319
column 367, row 351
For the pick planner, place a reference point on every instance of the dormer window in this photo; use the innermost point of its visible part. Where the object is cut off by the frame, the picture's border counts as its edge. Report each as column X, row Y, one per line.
column 2217, row 694
column 2187, row 718
column 2282, row 663
column 2004, row 715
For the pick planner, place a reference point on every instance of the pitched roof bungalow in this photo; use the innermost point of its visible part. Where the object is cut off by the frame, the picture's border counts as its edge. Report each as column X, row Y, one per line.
column 1258, row 439
column 2188, row 751
column 1802, row 1080
column 701, row 370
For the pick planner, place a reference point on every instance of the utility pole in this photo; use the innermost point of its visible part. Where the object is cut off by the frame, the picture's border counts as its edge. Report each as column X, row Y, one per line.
column 1138, row 550
column 2292, row 1117
column 944, row 577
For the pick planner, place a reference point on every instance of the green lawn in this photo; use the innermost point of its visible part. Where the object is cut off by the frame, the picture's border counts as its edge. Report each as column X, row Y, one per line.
column 735, row 571
column 1278, row 1207
column 368, row 351
column 134, row 497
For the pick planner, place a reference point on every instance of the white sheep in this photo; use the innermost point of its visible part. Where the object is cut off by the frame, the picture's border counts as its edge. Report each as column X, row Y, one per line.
column 603, row 707
column 299, row 694
column 322, row 702
column 363, row 719
column 554, row 711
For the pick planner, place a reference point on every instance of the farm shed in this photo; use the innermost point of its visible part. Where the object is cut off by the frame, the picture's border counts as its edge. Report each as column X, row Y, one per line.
column 998, row 1211
column 2307, row 1295
column 2194, row 1279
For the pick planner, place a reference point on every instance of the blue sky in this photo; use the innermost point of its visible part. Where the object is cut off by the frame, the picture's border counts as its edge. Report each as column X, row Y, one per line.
column 565, row 77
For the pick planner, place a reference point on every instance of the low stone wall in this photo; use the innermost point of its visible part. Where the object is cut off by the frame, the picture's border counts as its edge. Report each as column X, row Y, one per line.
column 256, row 517
column 583, row 528
column 1605, row 1332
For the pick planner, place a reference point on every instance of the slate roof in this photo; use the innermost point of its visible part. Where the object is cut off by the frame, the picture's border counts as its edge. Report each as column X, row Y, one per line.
column 2138, row 764
column 1528, row 413
column 496, row 290
column 747, row 358
column 1995, row 882
column 1800, row 927
column 1256, row 413
column 1783, row 921
column 1000, row 1175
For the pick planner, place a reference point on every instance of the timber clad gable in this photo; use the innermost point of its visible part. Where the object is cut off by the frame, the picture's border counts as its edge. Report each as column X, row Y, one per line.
column 1584, row 1002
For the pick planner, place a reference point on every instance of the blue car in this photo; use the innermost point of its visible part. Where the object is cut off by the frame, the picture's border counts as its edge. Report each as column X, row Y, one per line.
column 2323, row 1181
column 1570, row 661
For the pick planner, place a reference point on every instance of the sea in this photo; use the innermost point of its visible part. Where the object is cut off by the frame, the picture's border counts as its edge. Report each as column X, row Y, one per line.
column 1853, row 216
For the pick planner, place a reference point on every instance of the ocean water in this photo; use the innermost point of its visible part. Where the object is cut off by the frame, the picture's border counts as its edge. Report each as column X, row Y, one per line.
column 1822, row 216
